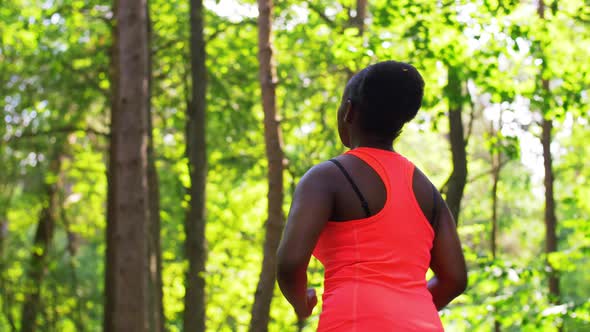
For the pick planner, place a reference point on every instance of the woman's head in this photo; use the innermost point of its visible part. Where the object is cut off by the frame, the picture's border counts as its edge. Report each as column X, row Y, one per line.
column 378, row 101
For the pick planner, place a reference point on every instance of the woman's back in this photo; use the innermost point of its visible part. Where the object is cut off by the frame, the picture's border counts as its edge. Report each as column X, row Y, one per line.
column 375, row 266
column 375, row 263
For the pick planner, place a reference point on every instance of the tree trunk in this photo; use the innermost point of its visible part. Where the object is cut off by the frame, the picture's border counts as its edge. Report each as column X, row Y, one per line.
column 77, row 315
column 126, row 275
column 7, row 296
column 41, row 247
column 274, row 154
column 550, row 219
column 156, row 308
column 72, row 249
column 109, row 285
column 196, row 153
column 357, row 21
column 493, row 240
column 361, row 15
column 3, row 232
column 496, row 167
column 458, row 178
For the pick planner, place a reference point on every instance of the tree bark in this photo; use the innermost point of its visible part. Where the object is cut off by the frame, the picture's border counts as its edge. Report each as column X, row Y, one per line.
column 77, row 315
column 3, row 231
column 496, row 158
column 156, row 307
column 7, row 295
column 41, row 247
column 494, row 235
column 110, row 271
column 274, row 154
column 357, row 21
column 458, row 178
column 196, row 153
column 550, row 218
column 127, row 274
column 361, row 14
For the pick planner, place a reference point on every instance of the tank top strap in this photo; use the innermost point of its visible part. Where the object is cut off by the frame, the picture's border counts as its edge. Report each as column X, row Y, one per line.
column 373, row 157
column 395, row 170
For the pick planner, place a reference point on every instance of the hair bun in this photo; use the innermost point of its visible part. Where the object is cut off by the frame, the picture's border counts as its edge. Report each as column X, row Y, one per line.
column 390, row 94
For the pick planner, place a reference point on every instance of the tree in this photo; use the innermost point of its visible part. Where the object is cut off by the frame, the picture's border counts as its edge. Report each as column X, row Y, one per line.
column 274, row 155
column 54, row 84
column 127, row 300
column 6, row 194
column 497, row 162
column 457, row 180
column 194, row 299
column 156, row 307
column 361, row 15
column 41, row 246
column 550, row 218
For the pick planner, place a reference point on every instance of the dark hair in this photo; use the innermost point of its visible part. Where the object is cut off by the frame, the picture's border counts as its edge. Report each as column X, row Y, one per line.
column 388, row 95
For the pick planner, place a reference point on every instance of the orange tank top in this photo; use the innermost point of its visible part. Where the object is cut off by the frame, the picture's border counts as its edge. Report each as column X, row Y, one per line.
column 375, row 268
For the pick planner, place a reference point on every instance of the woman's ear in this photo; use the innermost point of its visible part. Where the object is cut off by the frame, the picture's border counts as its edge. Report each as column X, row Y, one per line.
column 349, row 113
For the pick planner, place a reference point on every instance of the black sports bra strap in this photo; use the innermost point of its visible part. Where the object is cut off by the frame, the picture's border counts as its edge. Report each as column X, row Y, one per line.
column 364, row 203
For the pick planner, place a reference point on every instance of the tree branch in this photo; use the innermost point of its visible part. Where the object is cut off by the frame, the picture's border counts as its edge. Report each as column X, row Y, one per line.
column 319, row 11
column 86, row 78
column 476, row 177
column 248, row 21
column 443, row 188
column 167, row 44
column 482, row 174
column 470, row 123
column 55, row 131
column 171, row 42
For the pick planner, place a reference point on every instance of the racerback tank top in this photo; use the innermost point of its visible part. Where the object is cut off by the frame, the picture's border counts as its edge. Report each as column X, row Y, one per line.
column 375, row 267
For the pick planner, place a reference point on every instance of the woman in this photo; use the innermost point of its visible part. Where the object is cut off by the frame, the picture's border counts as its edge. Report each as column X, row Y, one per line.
column 373, row 219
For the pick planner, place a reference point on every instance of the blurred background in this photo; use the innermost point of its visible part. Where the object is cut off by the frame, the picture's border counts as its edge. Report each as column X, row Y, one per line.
column 135, row 150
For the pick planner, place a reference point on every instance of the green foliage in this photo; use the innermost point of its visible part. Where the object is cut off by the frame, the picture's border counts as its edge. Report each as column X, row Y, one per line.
column 54, row 75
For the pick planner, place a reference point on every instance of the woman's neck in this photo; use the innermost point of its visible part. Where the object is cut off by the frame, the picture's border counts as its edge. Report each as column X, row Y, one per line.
column 373, row 143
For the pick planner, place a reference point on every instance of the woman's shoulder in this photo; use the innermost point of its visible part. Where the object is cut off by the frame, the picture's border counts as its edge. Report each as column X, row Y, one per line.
column 319, row 177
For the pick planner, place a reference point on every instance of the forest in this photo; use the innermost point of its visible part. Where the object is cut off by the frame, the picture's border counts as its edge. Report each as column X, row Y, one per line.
column 149, row 151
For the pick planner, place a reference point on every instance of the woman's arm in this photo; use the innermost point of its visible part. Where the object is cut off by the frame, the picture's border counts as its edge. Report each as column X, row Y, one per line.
column 447, row 261
column 310, row 210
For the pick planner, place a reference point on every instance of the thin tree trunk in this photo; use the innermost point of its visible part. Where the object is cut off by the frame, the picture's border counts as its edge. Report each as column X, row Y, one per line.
column 7, row 296
column 110, row 271
column 361, row 15
column 274, row 154
column 41, row 247
column 494, row 235
column 357, row 21
column 550, row 218
column 458, row 178
column 72, row 249
column 496, row 159
column 495, row 179
column 3, row 232
column 156, row 308
column 75, row 284
column 126, row 276
column 496, row 167
column 5, row 292
column 196, row 153
column 50, row 306
column 3, row 228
